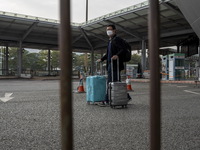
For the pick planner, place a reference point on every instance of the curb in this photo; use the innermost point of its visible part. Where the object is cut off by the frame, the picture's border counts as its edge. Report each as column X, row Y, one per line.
column 147, row 81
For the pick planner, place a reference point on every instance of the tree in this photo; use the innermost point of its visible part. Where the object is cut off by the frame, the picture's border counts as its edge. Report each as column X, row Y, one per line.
column 12, row 59
column 43, row 59
column 55, row 59
column 31, row 61
column 135, row 59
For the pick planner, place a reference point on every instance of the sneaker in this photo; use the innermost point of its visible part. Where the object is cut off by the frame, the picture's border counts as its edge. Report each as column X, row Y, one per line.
column 107, row 104
column 104, row 104
column 129, row 99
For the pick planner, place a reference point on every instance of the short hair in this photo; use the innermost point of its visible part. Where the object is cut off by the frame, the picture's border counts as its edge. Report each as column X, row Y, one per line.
column 111, row 25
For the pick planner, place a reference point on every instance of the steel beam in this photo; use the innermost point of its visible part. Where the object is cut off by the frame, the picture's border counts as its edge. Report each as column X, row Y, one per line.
column 171, row 7
column 92, row 49
column 77, row 38
column 97, row 36
column 124, row 30
column 168, row 34
column 29, row 30
column 86, row 37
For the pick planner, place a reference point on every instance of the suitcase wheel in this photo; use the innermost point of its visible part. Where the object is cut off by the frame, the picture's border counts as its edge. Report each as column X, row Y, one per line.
column 112, row 106
column 88, row 103
column 124, row 106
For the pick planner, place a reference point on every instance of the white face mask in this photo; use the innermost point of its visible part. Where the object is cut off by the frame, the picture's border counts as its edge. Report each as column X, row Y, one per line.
column 109, row 32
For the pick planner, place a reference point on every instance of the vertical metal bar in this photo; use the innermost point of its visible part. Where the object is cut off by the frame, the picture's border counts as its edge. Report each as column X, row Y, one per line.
column 154, row 35
column 66, row 74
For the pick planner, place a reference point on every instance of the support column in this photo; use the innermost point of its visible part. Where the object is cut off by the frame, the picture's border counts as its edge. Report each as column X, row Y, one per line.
column 49, row 62
column 92, row 62
column 178, row 48
column 19, row 66
column 6, row 61
column 102, row 70
column 86, row 62
column 125, row 69
column 199, row 53
column 3, row 61
column 199, row 63
column 143, row 58
column 189, row 70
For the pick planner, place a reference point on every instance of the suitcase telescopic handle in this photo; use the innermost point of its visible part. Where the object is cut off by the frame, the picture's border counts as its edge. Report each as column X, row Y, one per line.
column 112, row 72
column 101, row 67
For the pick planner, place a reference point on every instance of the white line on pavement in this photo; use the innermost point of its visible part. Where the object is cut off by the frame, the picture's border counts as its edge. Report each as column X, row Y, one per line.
column 7, row 97
column 192, row 92
column 181, row 86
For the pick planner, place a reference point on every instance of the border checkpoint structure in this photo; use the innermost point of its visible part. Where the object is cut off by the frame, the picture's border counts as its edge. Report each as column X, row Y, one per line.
column 176, row 29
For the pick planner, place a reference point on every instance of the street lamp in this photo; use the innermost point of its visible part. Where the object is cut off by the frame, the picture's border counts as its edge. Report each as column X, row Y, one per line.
column 86, row 10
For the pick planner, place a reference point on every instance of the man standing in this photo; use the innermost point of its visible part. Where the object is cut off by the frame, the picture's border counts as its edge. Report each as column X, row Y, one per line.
column 114, row 51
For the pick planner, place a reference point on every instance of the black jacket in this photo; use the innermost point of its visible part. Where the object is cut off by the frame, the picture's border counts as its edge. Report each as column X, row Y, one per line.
column 116, row 49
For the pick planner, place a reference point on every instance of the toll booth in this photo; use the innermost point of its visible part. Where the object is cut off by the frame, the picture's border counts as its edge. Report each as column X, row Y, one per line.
column 176, row 66
column 1, row 62
column 198, row 73
column 165, row 67
column 131, row 70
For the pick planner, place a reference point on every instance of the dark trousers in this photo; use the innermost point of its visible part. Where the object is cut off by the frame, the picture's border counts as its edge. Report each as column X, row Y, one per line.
column 115, row 78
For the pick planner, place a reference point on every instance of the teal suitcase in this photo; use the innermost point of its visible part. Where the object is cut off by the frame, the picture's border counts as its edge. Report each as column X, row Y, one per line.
column 95, row 89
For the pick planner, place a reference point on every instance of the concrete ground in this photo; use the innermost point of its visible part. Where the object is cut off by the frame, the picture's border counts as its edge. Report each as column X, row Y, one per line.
column 31, row 120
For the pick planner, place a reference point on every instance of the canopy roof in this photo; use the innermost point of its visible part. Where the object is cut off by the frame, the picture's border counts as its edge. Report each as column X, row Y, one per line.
column 131, row 23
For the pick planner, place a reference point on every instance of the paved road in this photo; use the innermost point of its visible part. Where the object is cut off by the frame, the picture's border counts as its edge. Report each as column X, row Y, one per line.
column 31, row 119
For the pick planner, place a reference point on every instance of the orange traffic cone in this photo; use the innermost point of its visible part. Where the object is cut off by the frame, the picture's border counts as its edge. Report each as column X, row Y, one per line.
column 80, row 88
column 128, row 82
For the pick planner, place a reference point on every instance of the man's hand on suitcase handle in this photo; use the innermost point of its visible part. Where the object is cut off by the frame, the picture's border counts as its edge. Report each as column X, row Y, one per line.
column 114, row 57
column 99, row 60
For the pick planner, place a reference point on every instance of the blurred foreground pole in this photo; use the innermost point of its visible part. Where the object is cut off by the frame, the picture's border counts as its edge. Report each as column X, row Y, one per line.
column 154, row 36
column 66, row 74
